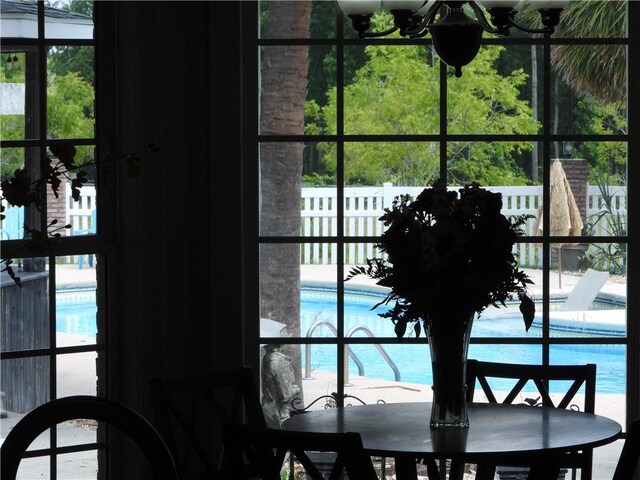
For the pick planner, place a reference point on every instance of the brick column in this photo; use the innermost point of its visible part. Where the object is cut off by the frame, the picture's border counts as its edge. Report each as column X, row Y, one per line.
column 57, row 207
column 576, row 172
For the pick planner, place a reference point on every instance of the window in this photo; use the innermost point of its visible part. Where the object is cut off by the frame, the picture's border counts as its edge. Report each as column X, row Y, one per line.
column 348, row 124
column 50, row 335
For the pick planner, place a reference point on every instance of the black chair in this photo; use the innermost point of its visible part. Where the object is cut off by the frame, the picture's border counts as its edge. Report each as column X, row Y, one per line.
column 77, row 407
column 517, row 376
column 628, row 461
column 261, row 453
column 189, row 411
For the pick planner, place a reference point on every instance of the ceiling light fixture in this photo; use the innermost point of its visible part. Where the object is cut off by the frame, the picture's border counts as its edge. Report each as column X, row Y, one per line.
column 456, row 36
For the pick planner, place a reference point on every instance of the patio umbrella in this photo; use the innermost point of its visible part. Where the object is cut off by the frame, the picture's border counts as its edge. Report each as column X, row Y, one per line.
column 271, row 328
column 563, row 210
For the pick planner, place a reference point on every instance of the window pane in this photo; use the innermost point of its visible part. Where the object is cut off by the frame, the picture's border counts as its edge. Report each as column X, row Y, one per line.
column 395, row 163
column 70, row 92
column 395, row 91
column 69, row 19
column 319, row 219
column 70, row 464
column 321, row 25
column 19, row 19
column 494, row 94
column 283, row 70
column 76, row 309
column 25, row 383
column 601, row 19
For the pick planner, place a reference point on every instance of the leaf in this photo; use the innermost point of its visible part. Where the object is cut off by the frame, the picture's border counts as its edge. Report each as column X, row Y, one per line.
column 417, row 328
column 400, row 328
column 528, row 310
column 65, row 153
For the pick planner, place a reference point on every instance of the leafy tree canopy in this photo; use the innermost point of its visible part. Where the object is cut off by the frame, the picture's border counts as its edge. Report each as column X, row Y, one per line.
column 397, row 92
column 70, row 110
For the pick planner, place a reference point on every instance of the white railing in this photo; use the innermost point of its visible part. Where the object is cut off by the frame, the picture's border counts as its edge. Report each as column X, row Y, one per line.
column 362, row 208
column 81, row 214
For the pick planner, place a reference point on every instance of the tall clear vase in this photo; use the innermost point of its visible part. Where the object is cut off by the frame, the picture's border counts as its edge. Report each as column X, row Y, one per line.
column 449, row 346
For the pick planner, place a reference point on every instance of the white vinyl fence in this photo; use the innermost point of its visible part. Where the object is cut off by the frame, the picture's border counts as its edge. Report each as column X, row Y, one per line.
column 363, row 206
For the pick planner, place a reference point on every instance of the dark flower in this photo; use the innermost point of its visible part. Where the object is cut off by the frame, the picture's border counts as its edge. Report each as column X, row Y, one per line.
column 448, row 254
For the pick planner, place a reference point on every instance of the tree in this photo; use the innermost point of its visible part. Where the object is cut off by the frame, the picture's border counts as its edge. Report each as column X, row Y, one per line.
column 70, row 115
column 598, row 71
column 397, row 92
column 72, row 58
column 284, row 83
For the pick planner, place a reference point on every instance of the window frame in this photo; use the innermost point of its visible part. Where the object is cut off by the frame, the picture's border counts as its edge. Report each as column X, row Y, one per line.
column 545, row 139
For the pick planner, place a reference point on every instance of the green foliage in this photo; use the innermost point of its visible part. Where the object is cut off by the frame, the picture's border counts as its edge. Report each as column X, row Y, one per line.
column 397, row 92
column 603, row 157
column 70, row 114
column 607, row 256
column 70, row 110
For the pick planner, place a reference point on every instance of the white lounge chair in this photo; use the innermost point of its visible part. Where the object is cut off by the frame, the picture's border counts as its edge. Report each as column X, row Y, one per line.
column 585, row 291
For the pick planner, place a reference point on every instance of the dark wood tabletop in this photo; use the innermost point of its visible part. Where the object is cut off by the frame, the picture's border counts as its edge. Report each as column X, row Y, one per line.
column 496, row 431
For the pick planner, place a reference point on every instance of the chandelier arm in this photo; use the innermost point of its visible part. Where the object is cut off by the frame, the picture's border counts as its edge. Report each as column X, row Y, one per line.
column 430, row 16
column 378, row 34
column 420, row 29
column 513, row 23
column 421, row 34
column 482, row 19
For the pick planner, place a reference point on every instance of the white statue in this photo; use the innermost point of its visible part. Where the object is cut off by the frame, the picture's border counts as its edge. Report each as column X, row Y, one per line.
column 278, row 387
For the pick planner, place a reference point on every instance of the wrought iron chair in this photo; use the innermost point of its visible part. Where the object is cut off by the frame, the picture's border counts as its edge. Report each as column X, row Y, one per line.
column 513, row 378
column 331, row 401
column 261, row 453
column 189, row 412
column 76, row 407
column 628, row 461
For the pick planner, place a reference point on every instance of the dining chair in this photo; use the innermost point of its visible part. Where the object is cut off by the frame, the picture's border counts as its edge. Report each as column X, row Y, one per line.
column 505, row 383
column 188, row 412
column 261, row 453
column 76, row 407
column 628, row 461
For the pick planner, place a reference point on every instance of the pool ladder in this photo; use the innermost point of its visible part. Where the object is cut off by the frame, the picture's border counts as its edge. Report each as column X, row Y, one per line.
column 350, row 353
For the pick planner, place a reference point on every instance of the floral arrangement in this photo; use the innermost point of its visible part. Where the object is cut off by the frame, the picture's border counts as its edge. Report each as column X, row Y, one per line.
column 446, row 256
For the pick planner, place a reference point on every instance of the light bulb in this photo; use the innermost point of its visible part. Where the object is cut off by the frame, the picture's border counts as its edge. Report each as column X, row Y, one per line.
column 548, row 4
column 499, row 3
column 425, row 8
column 402, row 4
column 358, row 7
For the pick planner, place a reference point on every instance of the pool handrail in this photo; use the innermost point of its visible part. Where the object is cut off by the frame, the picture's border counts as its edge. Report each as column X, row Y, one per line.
column 307, row 353
column 350, row 353
column 380, row 348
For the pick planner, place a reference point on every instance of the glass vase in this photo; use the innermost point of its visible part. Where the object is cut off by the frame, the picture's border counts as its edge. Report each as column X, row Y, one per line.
column 449, row 345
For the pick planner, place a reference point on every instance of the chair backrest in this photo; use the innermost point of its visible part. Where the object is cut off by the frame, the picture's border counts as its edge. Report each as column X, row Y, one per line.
column 189, row 411
column 513, row 378
column 585, row 291
column 260, row 453
column 125, row 419
column 628, row 461
column 571, row 378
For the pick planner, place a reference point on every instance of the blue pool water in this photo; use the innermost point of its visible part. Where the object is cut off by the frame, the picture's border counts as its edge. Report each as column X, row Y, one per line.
column 411, row 360
column 76, row 314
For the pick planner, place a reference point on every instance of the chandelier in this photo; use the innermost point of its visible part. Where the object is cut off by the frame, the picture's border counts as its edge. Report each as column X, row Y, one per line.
column 456, row 36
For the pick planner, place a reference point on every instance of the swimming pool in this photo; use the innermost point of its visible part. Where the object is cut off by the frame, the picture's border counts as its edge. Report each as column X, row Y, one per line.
column 76, row 314
column 320, row 305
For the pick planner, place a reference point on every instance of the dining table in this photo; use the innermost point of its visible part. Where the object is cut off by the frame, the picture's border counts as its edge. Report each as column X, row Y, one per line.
column 497, row 433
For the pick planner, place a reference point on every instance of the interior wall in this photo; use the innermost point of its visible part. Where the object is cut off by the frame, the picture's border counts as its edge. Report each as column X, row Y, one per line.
column 169, row 73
